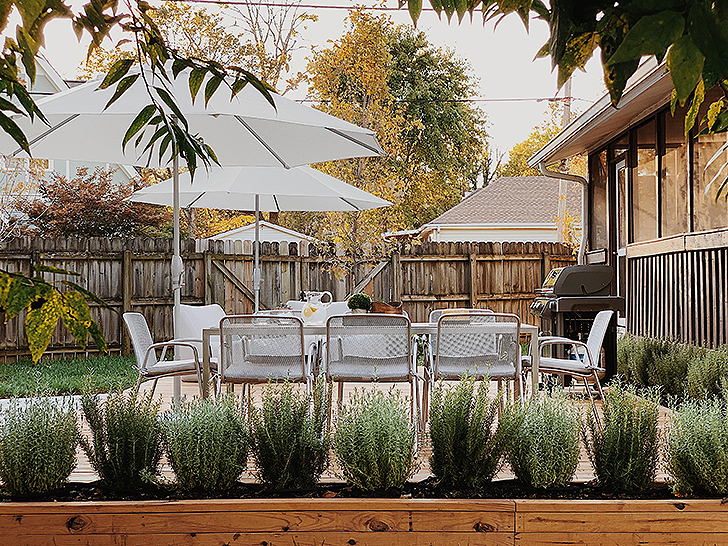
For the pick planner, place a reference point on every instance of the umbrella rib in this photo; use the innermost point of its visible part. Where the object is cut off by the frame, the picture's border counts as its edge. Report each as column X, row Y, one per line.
column 262, row 142
column 275, row 200
column 48, row 132
column 196, row 199
column 350, row 203
column 355, row 141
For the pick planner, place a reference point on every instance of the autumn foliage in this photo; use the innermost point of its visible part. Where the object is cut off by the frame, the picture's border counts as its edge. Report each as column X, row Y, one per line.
column 88, row 205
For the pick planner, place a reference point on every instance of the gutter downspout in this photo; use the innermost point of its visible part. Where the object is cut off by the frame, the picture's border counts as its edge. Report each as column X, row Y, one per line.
column 584, row 204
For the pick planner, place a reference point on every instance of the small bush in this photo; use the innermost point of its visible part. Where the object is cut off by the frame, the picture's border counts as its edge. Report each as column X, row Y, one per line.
column 206, row 444
column 467, row 446
column 37, row 446
column 624, row 450
column 374, row 441
column 653, row 362
column 698, row 448
column 126, row 444
column 289, row 437
column 545, row 449
column 360, row 301
column 708, row 374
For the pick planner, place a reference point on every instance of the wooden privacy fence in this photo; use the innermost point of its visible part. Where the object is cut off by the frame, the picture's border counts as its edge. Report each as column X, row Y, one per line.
column 133, row 274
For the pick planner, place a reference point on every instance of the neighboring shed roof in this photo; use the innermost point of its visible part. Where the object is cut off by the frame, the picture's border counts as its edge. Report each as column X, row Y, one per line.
column 514, row 200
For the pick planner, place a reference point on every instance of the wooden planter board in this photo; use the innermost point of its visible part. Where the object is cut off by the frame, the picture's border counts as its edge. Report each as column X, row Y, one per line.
column 370, row 522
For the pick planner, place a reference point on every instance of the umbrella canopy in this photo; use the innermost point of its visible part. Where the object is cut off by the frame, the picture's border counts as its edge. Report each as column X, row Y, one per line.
column 244, row 130
column 235, row 188
column 270, row 189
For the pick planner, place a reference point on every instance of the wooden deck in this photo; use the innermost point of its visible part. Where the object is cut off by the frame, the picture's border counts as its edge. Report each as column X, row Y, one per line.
column 84, row 472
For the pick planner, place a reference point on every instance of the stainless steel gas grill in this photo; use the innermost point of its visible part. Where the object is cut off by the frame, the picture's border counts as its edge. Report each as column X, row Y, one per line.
column 570, row 298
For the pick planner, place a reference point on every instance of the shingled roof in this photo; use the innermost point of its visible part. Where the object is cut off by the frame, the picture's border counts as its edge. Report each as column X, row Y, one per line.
column 514, row 200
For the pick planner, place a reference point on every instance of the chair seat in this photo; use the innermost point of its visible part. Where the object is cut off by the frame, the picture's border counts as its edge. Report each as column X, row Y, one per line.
column 361, row 368
column 564, row 365
column 251, row 373
column 478, row 366
column 170, row 367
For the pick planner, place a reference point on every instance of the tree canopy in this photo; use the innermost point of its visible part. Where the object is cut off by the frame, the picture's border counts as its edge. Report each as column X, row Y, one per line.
column 392, row 80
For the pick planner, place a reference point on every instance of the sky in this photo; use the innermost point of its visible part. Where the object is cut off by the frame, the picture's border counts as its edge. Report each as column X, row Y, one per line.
column 501, row 60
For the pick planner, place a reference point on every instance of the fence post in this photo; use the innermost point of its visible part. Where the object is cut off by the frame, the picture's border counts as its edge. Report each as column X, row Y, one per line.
column 396, row 276
column 207, row 276
column 127, row 287
column 473, row 293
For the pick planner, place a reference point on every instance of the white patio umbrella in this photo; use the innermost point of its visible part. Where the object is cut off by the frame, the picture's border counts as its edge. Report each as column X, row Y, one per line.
column 245, row 130
column 270, row 189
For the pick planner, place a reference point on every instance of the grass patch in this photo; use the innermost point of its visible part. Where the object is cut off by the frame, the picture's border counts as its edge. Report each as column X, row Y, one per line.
column 67, row 376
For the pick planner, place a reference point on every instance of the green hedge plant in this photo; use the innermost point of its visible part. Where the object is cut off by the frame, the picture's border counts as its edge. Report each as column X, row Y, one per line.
column 289, row 435
column 375, row 441
column 468, row 444
column 624, row 448
column 545, row 447
column 698, row 448
column 126, row 443
column 37, row 446
column 708, row 375
column 206, row 444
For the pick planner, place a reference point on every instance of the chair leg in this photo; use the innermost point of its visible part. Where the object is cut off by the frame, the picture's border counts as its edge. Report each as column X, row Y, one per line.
column 340, row 401
column 138, row 383
column 599, row 385
column 425, row 402
column 154, row 386
column 591, row 401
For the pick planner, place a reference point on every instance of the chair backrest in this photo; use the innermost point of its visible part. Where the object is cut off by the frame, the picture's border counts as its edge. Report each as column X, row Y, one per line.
column 337, row 308
column 255, row 348
column 596, row 336
column 193, row 319
column 368, row 347
column 141, row 338
column 435, row 314
column 481, row 344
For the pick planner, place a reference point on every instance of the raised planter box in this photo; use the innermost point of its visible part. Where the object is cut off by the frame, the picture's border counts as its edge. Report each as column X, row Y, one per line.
column 370, row 522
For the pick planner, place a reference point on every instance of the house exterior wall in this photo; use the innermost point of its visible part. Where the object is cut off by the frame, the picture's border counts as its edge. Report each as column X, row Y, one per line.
column 654, row 217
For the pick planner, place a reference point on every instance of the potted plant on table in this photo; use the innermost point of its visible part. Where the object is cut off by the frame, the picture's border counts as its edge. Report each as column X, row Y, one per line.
column 360, row 303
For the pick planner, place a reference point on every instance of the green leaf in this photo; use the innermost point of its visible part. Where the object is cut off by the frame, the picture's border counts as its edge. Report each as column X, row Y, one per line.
column 98, row 337
column 20, row 292
column 7, row 105
column 169, row 101
column 692, row 113
column 76, row 316
column 543, row 52
column 578, row 51
column 90, row 295
column 29, row 49
column 139, row 122
column 651, row 35
column 117, row 71
column 709, row 38
column 12, row 129
column 673, row 101
column 197, row 76
column 415, row 8
column 238, row 85
column 41, row 268
column 714, row 111
column 685, row 63
column 40, row 323
column 124, row 84
column 211, row 87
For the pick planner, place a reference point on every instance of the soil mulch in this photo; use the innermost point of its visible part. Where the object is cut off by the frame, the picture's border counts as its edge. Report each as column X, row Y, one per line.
column 428, row 489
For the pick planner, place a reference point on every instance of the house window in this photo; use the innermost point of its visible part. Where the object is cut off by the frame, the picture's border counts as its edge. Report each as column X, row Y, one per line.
column 599, row 237
column 644, row 185
column 674, row 176
column 709, row 213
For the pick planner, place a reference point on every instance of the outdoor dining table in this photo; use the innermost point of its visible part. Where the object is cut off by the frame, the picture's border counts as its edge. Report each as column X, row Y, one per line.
column 417, row 328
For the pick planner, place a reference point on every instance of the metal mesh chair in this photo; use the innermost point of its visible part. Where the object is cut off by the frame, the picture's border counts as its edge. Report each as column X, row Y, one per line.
column 371, row 347
column 145, row 351
column 479, row 343
column 259, row 348
column 584, row 360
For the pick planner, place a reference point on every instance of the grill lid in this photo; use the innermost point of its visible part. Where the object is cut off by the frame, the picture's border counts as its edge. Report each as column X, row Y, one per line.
column 578, row 280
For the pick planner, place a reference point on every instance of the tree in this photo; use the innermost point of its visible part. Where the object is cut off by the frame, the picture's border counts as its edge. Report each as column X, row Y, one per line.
column 517, row 164
column 88, row 205
column 390, row 79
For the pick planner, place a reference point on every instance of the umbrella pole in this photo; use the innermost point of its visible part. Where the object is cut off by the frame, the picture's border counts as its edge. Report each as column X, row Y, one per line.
column 256, row 252
column 177, row 272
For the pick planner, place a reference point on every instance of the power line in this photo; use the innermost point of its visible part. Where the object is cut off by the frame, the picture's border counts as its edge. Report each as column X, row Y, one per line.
column 481, row 99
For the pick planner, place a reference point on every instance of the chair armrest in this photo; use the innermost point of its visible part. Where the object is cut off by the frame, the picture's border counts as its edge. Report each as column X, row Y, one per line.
column 574, row 343
column 164, row 345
